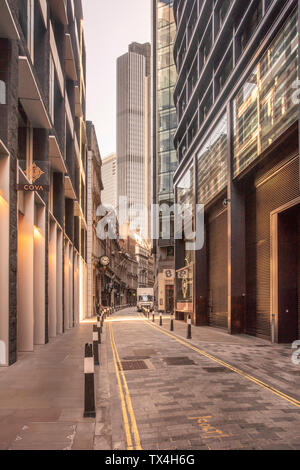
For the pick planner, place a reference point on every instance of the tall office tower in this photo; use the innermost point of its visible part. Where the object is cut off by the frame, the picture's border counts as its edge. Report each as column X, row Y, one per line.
column 109, row 177
column 238, row 149
column 133, row 134
column 164, row 154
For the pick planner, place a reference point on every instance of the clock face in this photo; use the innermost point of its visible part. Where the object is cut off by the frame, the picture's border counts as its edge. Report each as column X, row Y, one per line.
column 104, row 260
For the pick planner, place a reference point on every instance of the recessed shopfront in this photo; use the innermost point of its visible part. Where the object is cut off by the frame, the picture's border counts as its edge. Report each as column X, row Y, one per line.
column 285, row 272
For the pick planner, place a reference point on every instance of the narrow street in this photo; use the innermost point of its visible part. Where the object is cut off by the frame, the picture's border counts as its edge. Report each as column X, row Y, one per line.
column 154, row 390
column 179, row 398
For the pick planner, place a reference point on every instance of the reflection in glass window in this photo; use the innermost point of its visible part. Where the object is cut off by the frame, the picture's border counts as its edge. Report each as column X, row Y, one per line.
column 185, row 192
column 212, row 164
column 263, row 108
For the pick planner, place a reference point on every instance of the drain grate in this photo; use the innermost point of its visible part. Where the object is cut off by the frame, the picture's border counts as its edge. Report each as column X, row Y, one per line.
column 133, row 365
column 215, row 370
column 179, row 361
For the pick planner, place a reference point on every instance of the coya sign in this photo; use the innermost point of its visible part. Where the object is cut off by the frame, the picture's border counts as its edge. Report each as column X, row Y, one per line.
column 38, row 177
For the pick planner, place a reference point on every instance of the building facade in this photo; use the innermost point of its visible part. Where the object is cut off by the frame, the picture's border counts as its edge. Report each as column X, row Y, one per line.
column 109, row 177
column 144, row 259
column 119, row 280
column 43, row 276
column 133, row 135
column 164, row 154
column 95, row 249
column 238, row 146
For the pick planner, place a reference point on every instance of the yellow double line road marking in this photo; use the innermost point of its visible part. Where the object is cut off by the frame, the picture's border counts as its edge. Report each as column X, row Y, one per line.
column 131, row 429
column 271, row 389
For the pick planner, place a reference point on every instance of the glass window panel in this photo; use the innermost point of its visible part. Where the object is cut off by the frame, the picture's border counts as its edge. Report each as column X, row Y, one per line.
column 167, row 162
column 185, row 191
column 212, row 164
column 263, row 108
column 164, row 99
column 163, row 16
column 164, row 78
column 164, row 141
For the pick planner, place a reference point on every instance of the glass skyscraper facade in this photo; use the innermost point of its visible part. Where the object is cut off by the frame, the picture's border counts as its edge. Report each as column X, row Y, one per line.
column 164, row 153
column 166, row 112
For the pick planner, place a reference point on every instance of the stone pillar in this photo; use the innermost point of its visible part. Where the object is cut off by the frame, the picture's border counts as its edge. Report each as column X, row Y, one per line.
column 200, row 286
column 52, row 280
column 25, row 275
column 66, row 287
column 59, row 282
column 9, row 54
column 39, row 276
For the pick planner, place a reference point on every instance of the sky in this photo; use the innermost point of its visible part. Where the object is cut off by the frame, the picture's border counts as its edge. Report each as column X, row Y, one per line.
column 110, row 26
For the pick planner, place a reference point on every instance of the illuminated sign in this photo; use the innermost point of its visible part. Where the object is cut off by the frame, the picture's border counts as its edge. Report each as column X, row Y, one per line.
column 37, row 175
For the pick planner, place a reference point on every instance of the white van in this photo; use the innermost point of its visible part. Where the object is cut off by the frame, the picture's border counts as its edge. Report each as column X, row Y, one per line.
column 145, row 298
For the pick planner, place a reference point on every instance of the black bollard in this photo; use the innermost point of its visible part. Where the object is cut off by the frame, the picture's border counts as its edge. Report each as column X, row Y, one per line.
column 153, row 317
column 89, row 383
column 95, row 345
column 172, row 322
column 160, row 319
column 189, row 332
column 99, row 329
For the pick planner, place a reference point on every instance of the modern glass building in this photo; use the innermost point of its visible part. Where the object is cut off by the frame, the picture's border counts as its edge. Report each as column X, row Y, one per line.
column 133, row 133
column 164, row 153
column 238, row 147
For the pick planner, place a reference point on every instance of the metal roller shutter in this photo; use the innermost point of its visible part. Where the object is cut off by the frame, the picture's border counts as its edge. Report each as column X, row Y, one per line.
column 275, row 191
column 217, row 262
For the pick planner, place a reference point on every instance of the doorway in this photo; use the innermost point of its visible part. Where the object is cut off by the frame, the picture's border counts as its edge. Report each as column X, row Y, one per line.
column 169, row 296
column 286, row 273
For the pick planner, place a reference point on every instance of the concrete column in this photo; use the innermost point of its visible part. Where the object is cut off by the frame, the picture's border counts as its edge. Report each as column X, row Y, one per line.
column 71, row 283
column 81, row 287
column 200, row 283
column 59, row 282
column 85, row 289
column 4, row 256
column 76, row 289
column 25, row 275
column 39, row 276
column 52, row 280
column 66, row 287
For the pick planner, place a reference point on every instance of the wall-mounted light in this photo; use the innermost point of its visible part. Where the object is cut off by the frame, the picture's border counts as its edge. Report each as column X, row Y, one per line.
column 3, row 201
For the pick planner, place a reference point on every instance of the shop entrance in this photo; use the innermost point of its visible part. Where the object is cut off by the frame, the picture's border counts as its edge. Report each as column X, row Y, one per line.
column 286, row 275
column 169, row 298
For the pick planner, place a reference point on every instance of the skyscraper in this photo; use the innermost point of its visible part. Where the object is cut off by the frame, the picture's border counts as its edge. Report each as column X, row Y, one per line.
column 163, row 129
column 109, row 178
column 133, row 133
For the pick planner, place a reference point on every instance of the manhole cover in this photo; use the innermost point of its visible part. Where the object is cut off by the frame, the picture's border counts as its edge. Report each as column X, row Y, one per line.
column 215, row 370
column 179, row 361
column 133, row 365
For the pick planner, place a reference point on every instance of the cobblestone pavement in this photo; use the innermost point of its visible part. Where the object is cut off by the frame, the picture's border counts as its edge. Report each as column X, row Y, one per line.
column 186, row 397
column 154, row 390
